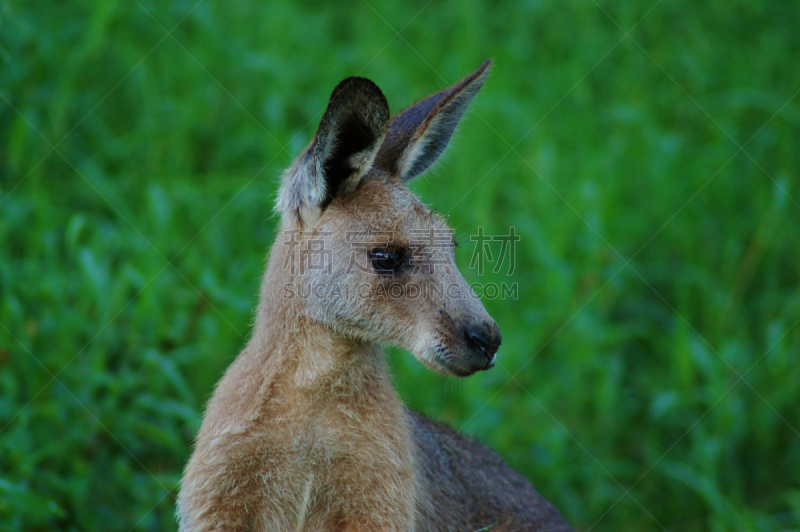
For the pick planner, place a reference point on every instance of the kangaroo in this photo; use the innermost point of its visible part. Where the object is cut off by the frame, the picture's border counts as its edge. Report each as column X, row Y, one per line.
column 305, row 432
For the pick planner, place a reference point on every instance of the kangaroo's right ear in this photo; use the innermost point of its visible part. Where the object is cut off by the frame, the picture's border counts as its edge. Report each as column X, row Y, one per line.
column 418, row 135
column 348, row 138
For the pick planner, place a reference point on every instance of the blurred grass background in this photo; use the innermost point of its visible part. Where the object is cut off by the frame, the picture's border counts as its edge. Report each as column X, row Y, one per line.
column 140, row 148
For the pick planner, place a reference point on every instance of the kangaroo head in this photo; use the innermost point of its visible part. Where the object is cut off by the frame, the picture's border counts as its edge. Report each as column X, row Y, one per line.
column 366, row 257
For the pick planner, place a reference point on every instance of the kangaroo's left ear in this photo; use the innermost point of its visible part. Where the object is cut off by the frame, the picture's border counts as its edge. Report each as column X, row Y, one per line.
column 418, row 135
column 343, row 150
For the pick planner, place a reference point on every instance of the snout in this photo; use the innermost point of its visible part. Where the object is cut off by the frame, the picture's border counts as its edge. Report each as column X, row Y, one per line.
column 483, row 340
column 467, row 349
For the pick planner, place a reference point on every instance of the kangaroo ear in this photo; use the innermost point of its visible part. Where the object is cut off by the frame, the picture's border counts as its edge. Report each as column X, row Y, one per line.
column 343, row 150
column 417, row 136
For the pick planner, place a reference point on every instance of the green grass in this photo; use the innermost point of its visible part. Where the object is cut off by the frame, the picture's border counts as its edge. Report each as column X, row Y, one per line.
column 130, row 255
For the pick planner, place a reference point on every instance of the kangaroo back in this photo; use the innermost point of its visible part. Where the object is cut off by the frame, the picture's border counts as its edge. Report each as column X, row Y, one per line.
column 305, row 431
column 471, row 488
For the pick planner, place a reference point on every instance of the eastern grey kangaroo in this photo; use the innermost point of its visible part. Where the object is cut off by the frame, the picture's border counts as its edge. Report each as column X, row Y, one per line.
column 305, row 430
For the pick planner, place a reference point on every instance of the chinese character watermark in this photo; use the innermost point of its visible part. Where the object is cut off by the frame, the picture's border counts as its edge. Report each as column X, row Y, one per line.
column 307, row 250
column 483, row 251
column 426, row 247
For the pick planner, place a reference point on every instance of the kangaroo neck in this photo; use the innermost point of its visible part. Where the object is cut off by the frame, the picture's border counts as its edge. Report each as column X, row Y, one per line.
column 306, row 353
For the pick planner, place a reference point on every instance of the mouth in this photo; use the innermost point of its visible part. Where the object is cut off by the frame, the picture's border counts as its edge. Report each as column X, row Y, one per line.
column 437, row 360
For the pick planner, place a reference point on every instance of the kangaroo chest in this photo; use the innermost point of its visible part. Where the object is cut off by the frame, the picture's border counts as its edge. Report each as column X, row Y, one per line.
column 344, row 451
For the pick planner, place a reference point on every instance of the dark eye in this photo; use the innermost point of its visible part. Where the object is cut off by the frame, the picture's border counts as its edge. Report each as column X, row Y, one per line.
column 387, row 260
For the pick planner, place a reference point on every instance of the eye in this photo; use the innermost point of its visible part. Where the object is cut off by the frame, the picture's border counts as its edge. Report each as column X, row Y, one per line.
column 388, row 261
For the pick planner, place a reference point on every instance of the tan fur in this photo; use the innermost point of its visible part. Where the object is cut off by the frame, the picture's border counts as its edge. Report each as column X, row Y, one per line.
column 305, row 431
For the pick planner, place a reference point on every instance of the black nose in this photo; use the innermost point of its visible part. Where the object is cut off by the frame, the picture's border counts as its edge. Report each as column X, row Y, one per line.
column 485, row 337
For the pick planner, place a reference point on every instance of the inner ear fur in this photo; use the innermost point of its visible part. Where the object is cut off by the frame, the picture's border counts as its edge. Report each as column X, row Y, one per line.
column 349, row 135
column 343, row 150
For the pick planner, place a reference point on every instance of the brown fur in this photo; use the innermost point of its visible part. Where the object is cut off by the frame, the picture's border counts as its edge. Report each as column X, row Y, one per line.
column 305, row 431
